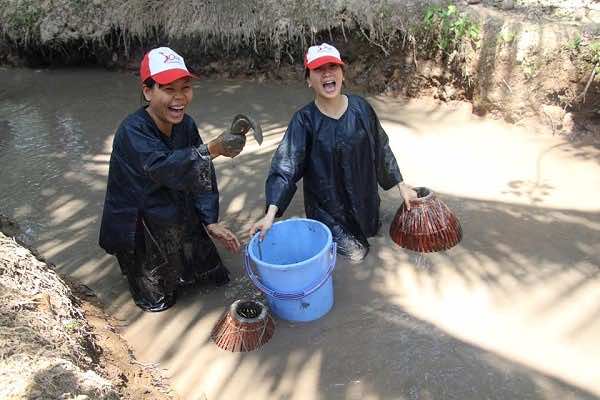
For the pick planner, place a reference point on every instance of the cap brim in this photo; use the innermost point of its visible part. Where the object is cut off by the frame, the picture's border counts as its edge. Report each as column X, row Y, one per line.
column 322, row 61
column 166, row 77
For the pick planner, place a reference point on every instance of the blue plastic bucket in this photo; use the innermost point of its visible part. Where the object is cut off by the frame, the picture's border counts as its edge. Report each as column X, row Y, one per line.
column 294, row 263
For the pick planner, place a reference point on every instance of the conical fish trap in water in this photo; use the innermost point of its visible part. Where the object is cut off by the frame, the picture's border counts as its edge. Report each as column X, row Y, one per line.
column 428, row 226
column 246, row 326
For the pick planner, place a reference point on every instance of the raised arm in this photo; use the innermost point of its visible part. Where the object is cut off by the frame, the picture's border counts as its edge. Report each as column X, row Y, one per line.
column 185, row 169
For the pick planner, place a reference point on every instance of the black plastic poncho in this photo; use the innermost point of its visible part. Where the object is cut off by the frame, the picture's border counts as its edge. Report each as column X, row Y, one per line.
column 341, row 161
column 160, row 192
column 151, row 176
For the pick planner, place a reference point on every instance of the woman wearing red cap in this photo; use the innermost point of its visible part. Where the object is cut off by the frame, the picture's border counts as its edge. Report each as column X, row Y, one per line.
column 337, row 145
column 162, row 201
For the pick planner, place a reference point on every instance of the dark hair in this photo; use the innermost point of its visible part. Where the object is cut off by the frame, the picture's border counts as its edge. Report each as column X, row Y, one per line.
column 150, row 83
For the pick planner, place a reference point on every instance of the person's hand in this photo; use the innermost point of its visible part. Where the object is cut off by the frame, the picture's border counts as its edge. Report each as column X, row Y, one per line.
column 264, row 224
column 225, row 236
column 227, row 144
column 407, row 193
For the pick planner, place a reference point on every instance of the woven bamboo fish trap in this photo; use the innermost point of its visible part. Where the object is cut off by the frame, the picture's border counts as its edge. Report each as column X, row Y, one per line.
column 428, row 226
column 246, row 326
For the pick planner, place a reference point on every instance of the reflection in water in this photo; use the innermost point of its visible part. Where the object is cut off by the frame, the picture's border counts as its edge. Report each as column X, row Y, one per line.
column 71, row 137
column 56, row 130
column 5, row 134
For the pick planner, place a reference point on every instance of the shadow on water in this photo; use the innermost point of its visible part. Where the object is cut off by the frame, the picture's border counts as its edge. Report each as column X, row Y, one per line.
column 369, row 345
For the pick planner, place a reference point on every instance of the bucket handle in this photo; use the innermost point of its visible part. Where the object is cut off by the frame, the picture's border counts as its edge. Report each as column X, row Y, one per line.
column 288, row 296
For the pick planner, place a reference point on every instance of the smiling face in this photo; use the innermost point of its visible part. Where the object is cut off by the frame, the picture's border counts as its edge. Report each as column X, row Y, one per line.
column 168, row 102
column 326, row 81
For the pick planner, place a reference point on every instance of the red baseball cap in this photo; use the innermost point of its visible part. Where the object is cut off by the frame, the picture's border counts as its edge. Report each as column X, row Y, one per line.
column 321, row 55
column 164, row 66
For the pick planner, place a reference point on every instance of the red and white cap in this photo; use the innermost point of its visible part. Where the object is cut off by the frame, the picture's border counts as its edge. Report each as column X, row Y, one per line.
column 320, row 55
column 163, row 65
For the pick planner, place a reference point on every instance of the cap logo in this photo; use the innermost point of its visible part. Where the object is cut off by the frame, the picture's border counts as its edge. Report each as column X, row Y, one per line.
column 170, row 58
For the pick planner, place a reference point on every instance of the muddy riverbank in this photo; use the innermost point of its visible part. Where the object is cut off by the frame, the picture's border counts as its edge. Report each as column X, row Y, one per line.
column 515, row 59
column 56, row 340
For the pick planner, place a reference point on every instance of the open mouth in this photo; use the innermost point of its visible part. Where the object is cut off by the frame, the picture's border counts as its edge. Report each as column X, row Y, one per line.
column 329, row 86
column 176, row 111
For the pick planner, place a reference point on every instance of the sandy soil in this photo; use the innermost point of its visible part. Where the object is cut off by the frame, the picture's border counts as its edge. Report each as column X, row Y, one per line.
column 56, row 339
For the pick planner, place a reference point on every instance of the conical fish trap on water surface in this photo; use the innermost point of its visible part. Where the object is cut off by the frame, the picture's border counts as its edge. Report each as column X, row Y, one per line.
column 246, row 326
column 428, row 226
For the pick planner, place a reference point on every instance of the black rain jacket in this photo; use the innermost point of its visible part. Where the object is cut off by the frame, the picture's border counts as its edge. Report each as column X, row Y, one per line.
column 165, row 180
column 342, row 162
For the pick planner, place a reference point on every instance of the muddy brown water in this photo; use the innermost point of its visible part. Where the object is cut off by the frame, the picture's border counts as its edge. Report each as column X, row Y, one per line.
column 510, row 313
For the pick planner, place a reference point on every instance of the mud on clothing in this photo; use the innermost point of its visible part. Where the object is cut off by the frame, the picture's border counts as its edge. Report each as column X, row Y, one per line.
column 342, row 162
column 161, row 192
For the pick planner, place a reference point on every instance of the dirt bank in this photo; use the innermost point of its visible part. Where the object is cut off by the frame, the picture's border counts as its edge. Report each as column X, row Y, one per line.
column 55, row 339
column 517, row 59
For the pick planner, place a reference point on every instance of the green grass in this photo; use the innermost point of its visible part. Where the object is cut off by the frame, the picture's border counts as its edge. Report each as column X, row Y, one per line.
column 448, row 28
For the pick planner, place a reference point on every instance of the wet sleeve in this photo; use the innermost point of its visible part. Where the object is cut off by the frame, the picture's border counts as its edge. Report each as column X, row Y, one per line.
column 195, row 138
column 388, row 173
column 206, row 202
column 183, row 169
column 287, row 165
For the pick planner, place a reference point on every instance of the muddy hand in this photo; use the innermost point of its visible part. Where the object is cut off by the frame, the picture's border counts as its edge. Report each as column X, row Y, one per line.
column 227, row 144
column 225, row 236
column 242, row 123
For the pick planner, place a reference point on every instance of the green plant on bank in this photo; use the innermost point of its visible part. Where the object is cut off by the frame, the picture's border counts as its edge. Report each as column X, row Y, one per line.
column 529, row 67
column 71, row 326
column 591, row 54
column 507, row 36
column 575, row 43
column 587, row 52
column 448, row 28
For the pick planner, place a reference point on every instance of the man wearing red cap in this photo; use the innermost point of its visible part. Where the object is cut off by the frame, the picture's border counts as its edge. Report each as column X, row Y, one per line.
column 162, row 203
column 337, row 145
